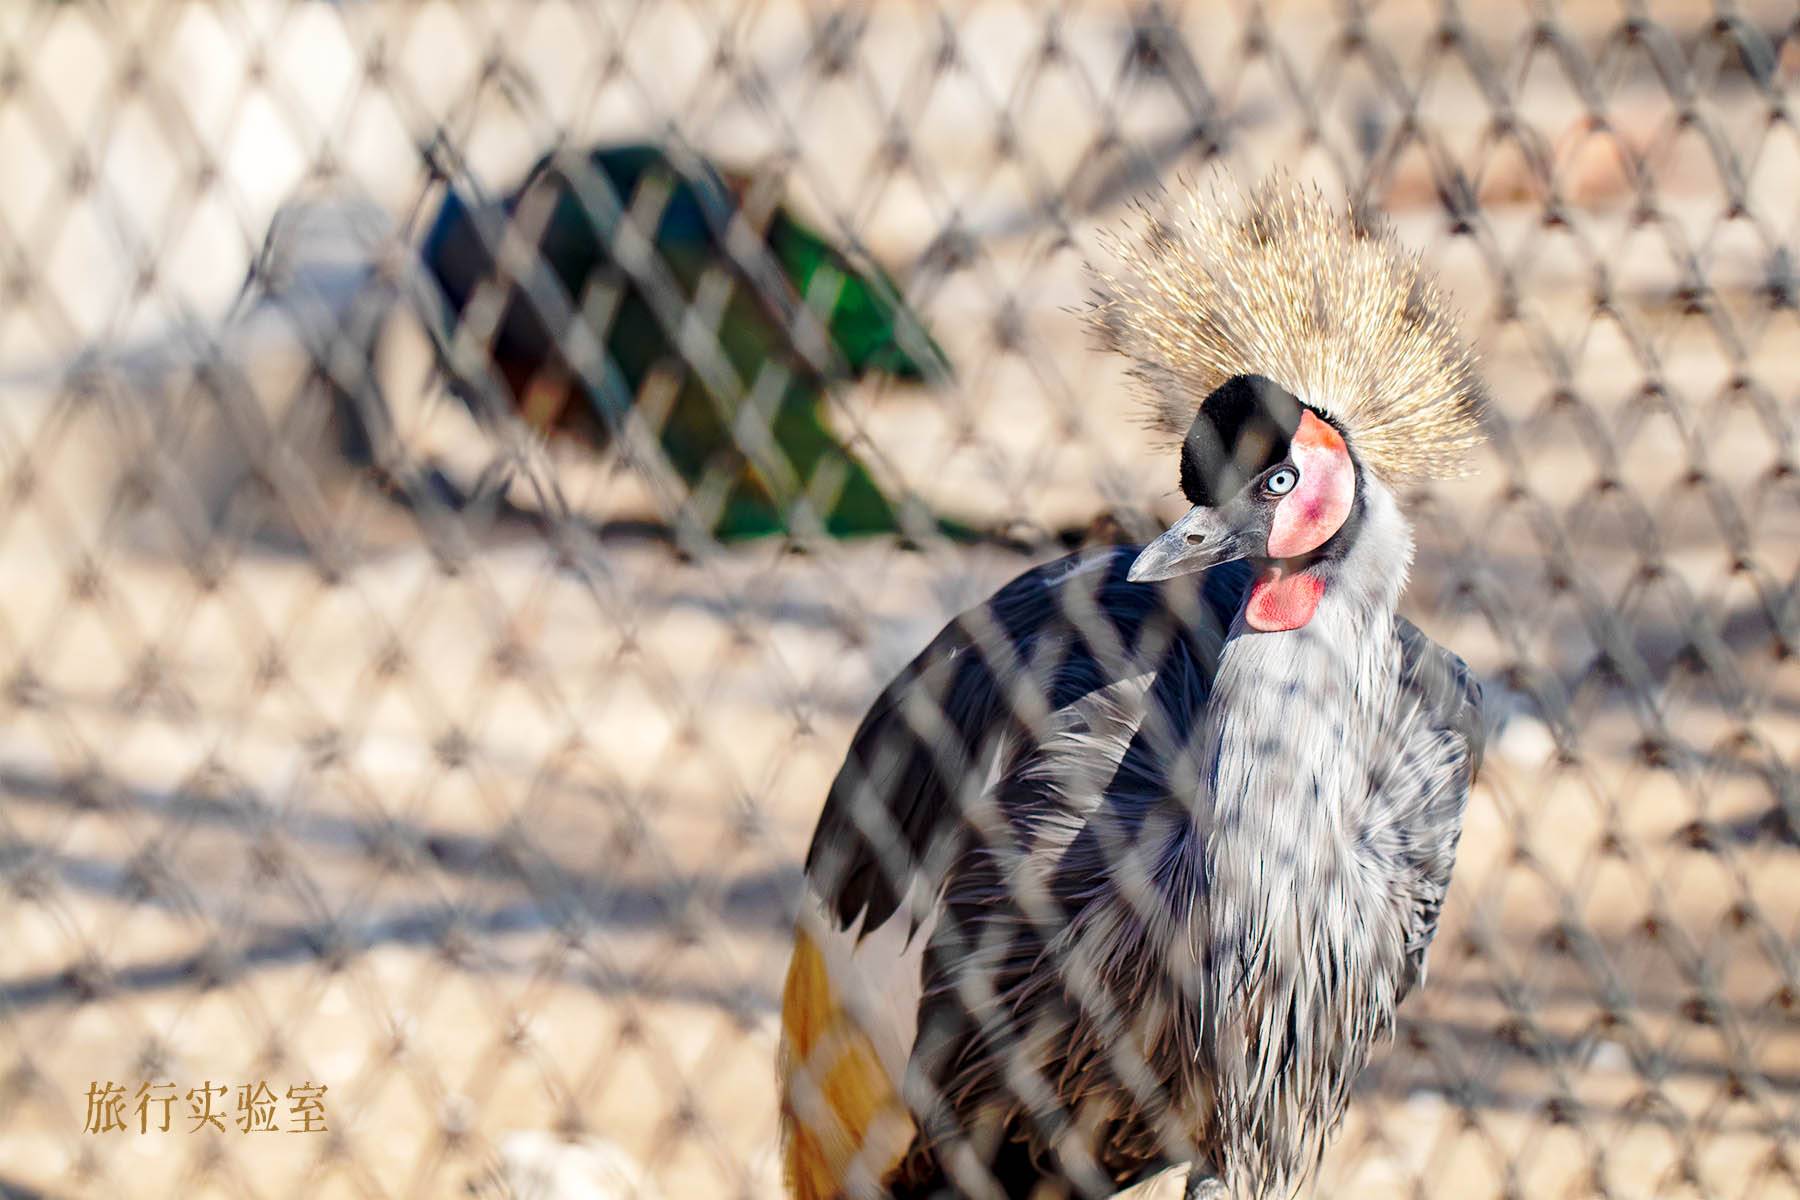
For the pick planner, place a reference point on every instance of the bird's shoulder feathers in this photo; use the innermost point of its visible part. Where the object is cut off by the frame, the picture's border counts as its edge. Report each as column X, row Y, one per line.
column 985, row 687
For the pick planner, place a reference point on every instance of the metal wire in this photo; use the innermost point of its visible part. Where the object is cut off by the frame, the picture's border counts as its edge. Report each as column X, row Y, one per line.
column 356, row 737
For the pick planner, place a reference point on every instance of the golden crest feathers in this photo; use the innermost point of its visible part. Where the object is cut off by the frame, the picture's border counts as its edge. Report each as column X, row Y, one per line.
column 1286, row 285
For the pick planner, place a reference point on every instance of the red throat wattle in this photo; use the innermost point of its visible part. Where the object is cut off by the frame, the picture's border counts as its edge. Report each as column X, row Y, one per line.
column 1281, row 599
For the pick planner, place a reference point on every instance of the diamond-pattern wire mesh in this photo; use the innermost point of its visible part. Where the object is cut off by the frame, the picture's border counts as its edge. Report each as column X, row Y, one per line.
column 489, row 816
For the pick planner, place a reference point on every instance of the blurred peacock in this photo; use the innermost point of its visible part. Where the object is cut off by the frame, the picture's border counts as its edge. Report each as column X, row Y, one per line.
column 724, row 328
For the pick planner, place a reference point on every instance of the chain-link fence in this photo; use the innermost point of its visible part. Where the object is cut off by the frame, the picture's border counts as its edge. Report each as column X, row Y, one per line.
column 357, row 735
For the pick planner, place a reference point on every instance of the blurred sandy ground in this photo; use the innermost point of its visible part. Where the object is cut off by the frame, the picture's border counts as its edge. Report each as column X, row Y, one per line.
column 500, row 839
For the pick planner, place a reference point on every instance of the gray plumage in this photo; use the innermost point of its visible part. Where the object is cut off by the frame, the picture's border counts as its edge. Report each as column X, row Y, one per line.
column 1219, row 869
column 1173, row 825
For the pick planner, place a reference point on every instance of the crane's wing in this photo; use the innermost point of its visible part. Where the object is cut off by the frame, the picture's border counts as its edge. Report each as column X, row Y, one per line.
column 930, row 745
column 917, row 788
column 1437, row 760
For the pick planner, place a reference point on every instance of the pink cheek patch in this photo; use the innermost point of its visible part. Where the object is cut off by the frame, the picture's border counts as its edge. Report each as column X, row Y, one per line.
column 1317, row 508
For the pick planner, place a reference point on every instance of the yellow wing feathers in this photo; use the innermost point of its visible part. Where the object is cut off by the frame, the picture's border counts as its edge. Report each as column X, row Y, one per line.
column 843, row 1124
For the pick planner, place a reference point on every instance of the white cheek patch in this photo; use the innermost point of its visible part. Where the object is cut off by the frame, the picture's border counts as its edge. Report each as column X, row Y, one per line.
column 1319, row 506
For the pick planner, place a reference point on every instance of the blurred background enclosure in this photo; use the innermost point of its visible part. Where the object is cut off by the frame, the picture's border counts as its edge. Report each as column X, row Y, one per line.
column 354, row 732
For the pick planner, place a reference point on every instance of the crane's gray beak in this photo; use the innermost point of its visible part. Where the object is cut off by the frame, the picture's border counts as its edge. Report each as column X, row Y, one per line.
column 1204, row 538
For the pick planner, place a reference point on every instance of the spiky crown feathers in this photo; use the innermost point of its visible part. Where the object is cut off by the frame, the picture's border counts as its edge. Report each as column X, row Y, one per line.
column 1291, row 287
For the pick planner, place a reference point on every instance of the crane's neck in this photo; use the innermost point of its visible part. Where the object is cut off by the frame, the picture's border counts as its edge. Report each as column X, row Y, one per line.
column 1291, row 728
column 1290, row 709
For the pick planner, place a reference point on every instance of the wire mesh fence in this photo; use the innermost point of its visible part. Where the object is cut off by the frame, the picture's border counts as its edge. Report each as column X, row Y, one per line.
column 468, row 466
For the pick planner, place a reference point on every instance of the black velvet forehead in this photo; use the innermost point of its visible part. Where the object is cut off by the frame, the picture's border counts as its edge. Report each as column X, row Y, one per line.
column 1242, row 430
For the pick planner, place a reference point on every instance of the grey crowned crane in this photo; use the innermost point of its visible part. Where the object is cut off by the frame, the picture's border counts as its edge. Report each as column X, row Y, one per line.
column 1133, row 865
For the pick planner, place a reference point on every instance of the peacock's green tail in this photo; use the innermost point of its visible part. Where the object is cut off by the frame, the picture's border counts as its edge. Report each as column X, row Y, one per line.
column 746, row 349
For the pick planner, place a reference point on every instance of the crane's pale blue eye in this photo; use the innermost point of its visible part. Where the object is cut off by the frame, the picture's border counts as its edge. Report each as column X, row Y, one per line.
column 1281, row 481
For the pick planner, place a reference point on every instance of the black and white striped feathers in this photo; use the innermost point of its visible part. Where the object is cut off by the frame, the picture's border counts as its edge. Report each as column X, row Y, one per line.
column 1163, row 882
column 1131, row 867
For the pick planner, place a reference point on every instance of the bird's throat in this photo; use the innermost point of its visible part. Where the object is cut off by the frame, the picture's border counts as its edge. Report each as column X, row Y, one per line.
column 1282, row 598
